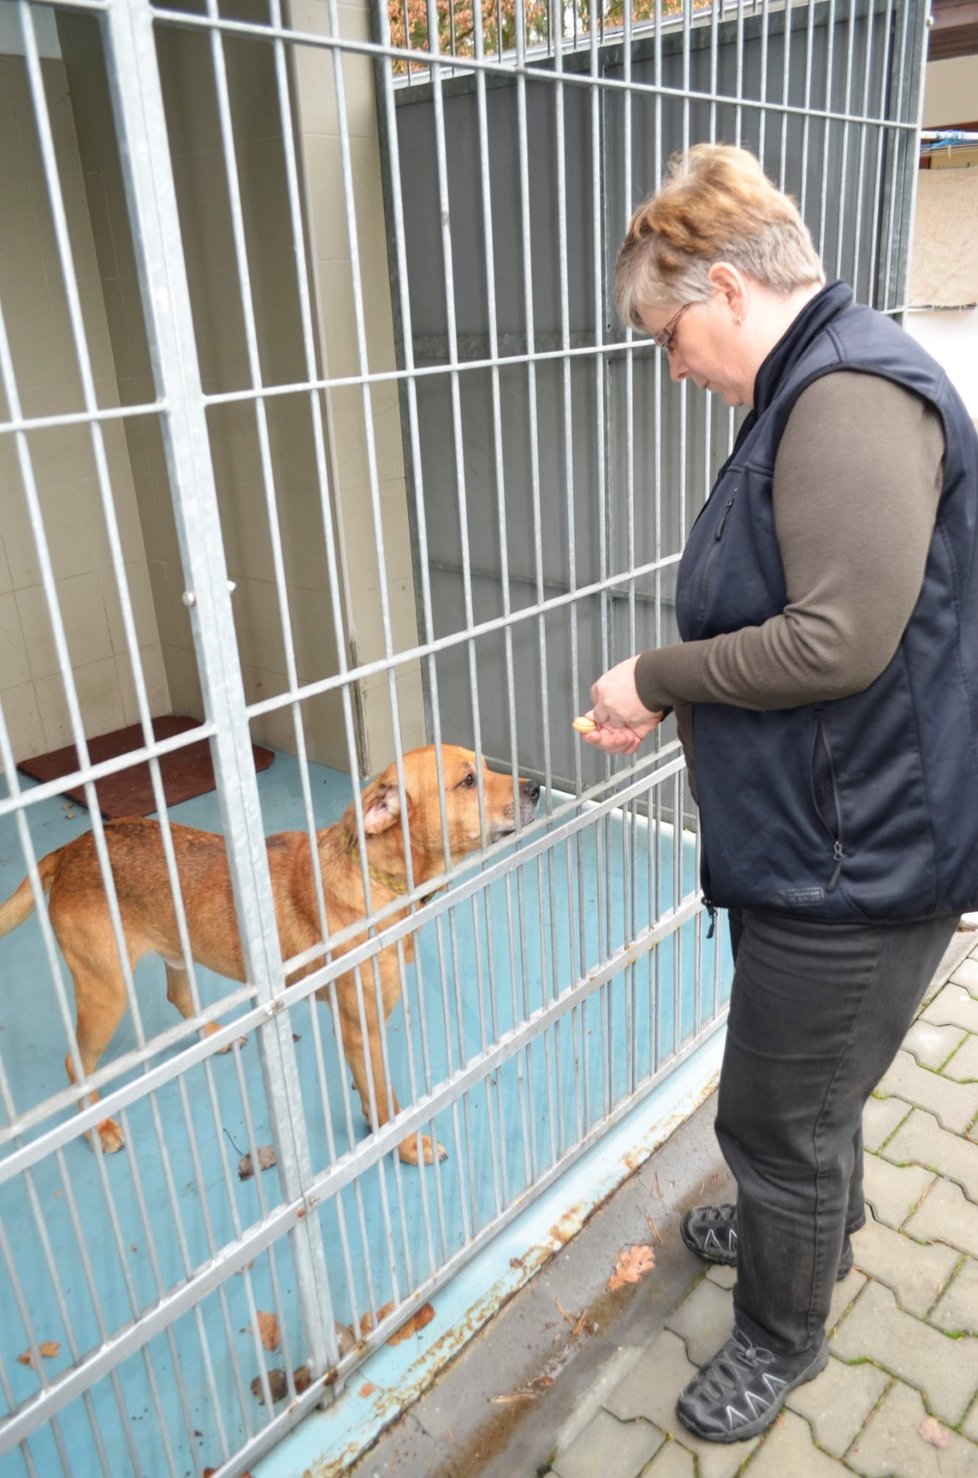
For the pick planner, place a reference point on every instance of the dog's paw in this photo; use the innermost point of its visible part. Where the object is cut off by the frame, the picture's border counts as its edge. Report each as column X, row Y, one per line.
column 215, row 1026
column 430, row 1150
column 110, row 1137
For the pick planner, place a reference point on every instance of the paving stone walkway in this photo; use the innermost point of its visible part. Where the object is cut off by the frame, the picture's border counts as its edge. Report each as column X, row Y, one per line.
column 899, row 1397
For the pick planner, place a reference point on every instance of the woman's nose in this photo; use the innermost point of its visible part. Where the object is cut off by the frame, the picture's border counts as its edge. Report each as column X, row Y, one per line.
column 677, row 367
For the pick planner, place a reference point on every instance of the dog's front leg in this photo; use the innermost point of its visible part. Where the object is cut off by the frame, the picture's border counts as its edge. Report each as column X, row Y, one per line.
column 360, row 1021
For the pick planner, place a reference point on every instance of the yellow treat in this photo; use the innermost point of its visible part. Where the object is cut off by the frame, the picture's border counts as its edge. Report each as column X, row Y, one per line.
column 584, row 725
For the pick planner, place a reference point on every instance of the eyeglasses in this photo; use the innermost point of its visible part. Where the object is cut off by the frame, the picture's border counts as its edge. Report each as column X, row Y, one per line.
column 666, row 337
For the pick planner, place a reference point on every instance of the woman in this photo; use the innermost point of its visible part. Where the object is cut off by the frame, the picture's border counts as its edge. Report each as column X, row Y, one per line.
column 825, row 690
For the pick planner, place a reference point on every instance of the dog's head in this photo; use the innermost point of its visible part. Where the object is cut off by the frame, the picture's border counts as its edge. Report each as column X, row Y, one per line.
column 463, row 822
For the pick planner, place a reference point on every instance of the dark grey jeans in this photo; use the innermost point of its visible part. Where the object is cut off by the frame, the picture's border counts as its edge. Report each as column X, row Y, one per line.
column 817, row 1013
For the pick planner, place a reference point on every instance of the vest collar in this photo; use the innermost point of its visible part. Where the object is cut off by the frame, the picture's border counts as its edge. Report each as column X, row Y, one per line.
column 816, row 315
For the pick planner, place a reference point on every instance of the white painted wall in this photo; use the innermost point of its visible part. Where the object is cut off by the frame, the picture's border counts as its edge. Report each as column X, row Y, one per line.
column 11, row 41
column 952, row 337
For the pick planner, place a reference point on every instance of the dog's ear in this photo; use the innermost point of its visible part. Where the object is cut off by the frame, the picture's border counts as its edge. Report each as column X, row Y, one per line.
column 381, row 806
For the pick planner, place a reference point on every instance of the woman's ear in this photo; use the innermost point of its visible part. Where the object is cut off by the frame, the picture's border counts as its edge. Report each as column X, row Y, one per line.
column 731, row 284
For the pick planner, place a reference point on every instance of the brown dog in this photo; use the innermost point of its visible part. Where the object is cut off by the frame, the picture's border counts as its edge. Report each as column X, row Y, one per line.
column 79, row 913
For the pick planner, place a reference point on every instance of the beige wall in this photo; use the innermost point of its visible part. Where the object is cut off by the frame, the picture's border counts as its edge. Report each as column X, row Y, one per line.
column 951, row 334
column 318, row 127
column 48, row 383
column 290, row 473
column 949, row 93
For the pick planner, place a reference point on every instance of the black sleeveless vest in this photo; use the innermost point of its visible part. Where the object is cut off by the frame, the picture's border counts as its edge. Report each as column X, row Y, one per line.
column 866, row 807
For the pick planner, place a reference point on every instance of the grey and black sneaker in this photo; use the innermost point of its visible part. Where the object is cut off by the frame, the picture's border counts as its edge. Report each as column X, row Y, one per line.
column 711, row 1232
column 740, row 1391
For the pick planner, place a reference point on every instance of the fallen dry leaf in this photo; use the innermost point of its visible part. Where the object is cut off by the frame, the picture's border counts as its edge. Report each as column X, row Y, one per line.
column 368, row 1322
column 278, row 1384
column 367, row 1389
column 48, row 1349
column 416, row 1322
column 633, row 1263
column 934, row 1433
column 268, row 1330
column 266, row 1159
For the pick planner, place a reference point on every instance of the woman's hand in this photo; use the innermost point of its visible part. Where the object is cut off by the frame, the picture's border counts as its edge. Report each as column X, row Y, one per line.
column 622, row 719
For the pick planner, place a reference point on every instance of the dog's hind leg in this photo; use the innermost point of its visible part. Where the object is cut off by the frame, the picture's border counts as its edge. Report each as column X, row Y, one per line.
column 100, row 1005
column 179, row 994
column 178, row 989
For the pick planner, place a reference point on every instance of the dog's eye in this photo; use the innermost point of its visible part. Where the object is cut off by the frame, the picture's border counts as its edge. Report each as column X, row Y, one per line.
column 467, row 780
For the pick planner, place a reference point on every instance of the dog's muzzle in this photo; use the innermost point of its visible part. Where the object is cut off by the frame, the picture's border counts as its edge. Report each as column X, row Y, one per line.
column 529, row 796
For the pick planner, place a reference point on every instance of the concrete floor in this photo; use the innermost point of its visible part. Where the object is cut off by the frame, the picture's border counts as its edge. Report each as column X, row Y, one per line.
column 569, row 1381
column 534, row 1377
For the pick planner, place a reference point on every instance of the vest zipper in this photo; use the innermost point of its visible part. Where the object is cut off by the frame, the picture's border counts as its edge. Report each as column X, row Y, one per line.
column 835, row 829
column 706, row 891
column 704, row 582
column 724, row 516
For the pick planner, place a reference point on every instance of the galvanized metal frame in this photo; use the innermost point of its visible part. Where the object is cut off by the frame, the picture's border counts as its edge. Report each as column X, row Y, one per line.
column 632, row 813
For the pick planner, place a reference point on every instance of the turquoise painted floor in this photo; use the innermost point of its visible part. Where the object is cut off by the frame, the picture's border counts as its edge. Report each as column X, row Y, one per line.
column 123, row 1231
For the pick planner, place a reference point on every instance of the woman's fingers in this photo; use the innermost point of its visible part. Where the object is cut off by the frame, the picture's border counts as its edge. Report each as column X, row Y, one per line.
column 613, row 740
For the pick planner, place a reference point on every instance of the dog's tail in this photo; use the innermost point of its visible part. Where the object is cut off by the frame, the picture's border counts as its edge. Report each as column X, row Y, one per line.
column 20, row 905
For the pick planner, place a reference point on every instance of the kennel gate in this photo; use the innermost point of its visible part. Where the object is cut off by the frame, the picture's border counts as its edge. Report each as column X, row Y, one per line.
column 317, row 426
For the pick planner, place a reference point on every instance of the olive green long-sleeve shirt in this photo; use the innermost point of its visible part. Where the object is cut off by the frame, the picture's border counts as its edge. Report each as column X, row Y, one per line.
column 857, row 482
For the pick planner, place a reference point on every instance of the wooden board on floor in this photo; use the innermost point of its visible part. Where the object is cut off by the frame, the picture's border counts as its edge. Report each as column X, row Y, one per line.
column 185, row 773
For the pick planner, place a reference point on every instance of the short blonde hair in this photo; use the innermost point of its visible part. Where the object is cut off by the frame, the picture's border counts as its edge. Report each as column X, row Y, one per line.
column 716, row 204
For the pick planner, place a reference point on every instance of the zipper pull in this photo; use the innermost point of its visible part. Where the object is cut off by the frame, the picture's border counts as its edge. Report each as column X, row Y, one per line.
column 711, row 909
column 724, row 516
column 838, row 854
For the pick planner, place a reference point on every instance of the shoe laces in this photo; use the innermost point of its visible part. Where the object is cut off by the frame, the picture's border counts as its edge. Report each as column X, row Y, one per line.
column 738, row 1357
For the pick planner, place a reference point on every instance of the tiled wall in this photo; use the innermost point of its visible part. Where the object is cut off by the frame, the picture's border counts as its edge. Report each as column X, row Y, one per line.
column 32, row 691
